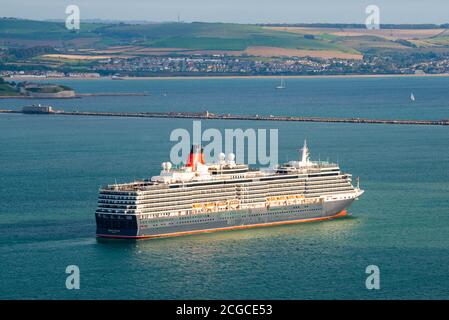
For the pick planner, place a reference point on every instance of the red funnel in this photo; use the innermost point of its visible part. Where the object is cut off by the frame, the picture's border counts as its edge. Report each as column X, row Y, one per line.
column 195, row 156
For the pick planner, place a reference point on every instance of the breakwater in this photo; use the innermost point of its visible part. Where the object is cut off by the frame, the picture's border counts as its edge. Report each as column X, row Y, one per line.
column 212, row 116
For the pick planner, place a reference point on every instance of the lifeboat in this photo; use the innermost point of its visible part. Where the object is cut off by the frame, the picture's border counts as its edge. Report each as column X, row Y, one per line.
column 210, row 206
column 222, row 205
column 197, row 206
column 234, row 204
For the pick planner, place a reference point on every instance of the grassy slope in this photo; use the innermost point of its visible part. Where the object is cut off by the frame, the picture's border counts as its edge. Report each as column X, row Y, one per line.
column 213, row 36
column 201, row 36
column 49, row 89
column 7, row 90
column 363, row 43
column 41, row 30
column 198, row 36
column 386, row 39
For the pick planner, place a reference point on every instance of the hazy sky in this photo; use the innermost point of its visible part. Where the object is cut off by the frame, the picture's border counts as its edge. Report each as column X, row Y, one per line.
column 241, row 11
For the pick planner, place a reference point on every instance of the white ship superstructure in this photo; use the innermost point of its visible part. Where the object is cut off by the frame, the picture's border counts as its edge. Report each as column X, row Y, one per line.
column 201, row 197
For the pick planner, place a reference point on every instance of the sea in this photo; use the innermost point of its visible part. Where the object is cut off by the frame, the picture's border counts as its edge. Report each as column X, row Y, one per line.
column 51, row 168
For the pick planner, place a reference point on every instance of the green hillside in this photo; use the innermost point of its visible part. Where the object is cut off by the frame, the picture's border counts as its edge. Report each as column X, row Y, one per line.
column 6, row 89
column 208, row 36
column 142, row 49
column 18, row 29
column 200, row 36
column 212, row 36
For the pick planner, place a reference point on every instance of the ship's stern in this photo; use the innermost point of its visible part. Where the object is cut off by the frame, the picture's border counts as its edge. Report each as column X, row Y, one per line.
column 116, row 226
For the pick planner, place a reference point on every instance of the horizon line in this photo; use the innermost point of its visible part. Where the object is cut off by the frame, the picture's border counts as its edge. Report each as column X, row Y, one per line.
column 139, row 21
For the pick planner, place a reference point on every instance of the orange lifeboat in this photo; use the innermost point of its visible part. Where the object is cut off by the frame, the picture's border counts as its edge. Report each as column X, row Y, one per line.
column 234, row 204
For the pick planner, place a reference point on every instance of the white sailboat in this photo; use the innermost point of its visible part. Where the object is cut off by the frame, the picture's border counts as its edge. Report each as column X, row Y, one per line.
column 282, row 85
column 412, row 97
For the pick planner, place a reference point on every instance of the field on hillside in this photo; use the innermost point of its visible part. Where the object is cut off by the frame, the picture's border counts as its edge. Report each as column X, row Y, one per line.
column 393, row 34
column 363, row 39
column 261, row 51
column 95, row 41
column 159, row 38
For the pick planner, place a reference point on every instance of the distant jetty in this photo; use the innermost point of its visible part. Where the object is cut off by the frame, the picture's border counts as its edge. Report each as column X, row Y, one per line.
column 212, row 116
column 76, row 95
column 112, row 94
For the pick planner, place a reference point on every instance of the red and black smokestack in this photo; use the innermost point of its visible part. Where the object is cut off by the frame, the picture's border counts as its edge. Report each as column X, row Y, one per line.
column 196, row 156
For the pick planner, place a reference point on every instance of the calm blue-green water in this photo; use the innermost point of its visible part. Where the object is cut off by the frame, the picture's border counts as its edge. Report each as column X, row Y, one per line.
column 385, row 98
column 51, row 168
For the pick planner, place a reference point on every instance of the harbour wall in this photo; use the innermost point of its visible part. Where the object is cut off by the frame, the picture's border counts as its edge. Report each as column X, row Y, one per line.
column 211, row 116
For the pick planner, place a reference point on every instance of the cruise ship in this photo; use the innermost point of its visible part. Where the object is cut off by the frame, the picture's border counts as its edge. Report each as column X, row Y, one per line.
column 225, row 195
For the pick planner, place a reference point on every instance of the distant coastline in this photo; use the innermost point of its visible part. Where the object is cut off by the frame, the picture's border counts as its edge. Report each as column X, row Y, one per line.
column 81, row 95
column 239, row 77
column 39, row 90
